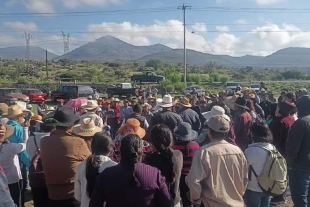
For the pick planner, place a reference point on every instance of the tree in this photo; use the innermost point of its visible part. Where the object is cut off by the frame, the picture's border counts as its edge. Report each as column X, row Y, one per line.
column 154, row 63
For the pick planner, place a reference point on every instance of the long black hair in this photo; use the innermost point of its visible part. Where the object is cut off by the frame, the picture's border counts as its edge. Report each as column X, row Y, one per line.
column 131, row 152
column 162, row 140
column 101, row 144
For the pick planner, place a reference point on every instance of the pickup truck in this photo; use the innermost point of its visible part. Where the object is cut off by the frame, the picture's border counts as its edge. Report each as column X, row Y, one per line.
column 148, row 77
column 122, row 89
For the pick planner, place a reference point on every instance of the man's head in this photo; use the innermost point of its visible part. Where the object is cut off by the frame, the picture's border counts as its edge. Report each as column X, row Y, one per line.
column 137, row 109
column 218, row 128
column 303, row 108
column 303, row 92
column 265, row 97
column 126, row 103
column 214, row 98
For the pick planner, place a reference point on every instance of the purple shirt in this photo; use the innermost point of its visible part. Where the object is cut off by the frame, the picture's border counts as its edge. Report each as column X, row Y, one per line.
column 114, row 186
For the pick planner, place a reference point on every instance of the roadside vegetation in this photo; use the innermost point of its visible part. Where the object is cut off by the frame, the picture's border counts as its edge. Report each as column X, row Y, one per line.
column 209, row 77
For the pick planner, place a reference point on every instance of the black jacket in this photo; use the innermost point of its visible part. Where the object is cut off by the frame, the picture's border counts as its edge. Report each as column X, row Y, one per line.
column 298, row 143
column 266, row 106
column 169, row 118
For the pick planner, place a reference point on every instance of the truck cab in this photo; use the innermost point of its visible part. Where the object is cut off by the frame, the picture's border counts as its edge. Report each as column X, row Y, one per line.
column 122, row 89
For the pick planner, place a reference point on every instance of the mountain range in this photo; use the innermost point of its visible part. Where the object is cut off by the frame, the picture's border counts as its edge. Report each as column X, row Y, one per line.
column 111, row 49
column 18, row 52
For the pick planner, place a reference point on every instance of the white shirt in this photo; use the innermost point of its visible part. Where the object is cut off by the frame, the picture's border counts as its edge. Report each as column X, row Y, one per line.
column 80, row 191
column 9, row 161
column 256, row 157
column 31, row 146
column 97, row 119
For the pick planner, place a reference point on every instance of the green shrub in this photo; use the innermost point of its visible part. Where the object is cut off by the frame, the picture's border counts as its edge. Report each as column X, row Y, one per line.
column 22, row 80
column 224, row 78
column 170, row 88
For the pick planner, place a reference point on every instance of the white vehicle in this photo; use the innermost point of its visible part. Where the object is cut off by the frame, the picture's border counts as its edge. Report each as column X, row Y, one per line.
column 190, row 89
column 230, row 87
column 255, row 87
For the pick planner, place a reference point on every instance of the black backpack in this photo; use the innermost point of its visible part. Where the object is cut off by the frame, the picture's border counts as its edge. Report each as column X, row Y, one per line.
column 36, row 172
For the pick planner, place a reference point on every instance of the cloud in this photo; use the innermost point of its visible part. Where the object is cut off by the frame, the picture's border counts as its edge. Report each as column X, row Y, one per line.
column 260, row 40
column 222, row 28
column 78, row 3
column 12, row 3
column 241, row 21
column 40, row 6
column 200, row 27
column 269, row 2
column 261, row 2
column 48, row 6
column 21, row 26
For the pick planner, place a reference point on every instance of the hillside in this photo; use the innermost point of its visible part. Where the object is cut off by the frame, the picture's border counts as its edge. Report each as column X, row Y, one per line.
column 18, row 52
column 111, row 49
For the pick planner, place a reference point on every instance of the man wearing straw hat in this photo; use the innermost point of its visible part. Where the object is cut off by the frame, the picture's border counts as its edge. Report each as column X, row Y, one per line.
column 16, row 116
column 86, row 129
column 166, row 116
column 189, row 115
column 61, row 153
column 92, row 107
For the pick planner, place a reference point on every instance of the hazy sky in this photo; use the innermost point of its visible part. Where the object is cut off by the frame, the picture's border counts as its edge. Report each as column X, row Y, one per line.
column 233, row 27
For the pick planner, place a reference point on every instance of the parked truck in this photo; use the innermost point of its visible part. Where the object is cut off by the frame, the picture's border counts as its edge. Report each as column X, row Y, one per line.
column 122, row 89
column 148, row 77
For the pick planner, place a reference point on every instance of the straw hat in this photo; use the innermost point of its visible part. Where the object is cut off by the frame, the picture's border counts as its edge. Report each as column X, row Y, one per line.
column 146, row 105
column 132, row 126
column 9, row 130
column 91, row 104
column 116, row 100
column 15, row 111
column 36, row 118
column 86, row 128
column 166, row 102
column 4, row 108
column 185, row 102
column 215, row 111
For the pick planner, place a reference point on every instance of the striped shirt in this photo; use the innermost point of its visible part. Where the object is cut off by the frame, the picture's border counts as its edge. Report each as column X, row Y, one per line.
column 188, row 149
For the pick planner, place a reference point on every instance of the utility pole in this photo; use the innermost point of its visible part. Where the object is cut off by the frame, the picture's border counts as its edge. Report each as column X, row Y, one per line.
column 27, row 51
column 184, row 8
column 46, row 64
column 66, row 39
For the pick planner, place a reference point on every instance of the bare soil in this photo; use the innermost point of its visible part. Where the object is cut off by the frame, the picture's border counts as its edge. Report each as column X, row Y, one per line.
column 29, row 202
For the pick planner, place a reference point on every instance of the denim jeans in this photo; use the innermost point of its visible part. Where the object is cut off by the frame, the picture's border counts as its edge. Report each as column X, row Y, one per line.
column 256, row 199
column 299, row 181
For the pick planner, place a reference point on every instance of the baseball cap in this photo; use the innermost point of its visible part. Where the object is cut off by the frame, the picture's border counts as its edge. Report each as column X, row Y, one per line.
column 218, row 124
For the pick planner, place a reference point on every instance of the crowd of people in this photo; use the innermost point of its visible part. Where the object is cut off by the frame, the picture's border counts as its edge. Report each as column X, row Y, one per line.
column 245, row 149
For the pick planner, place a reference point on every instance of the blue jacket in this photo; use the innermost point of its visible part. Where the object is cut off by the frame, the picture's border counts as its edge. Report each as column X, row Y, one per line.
column 18, row 137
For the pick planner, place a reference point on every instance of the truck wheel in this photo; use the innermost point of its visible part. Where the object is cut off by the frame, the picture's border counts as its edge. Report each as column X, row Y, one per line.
column 69, row 98
column 138, row 82
column 110, row 95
